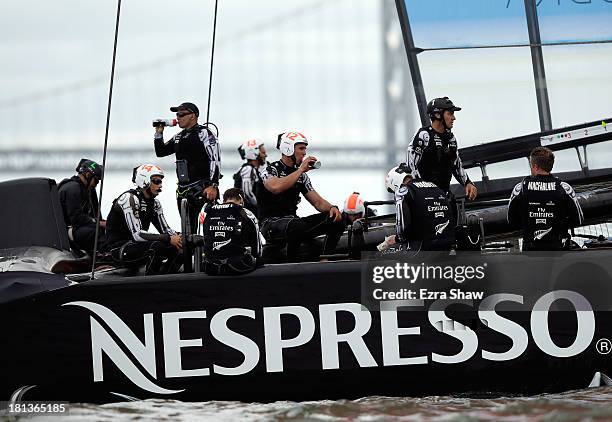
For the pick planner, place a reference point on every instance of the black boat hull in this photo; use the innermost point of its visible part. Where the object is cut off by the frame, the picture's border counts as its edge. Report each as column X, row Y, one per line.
column 197, row 338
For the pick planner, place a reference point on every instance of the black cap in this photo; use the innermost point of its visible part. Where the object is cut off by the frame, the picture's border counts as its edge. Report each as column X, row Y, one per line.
column 186, row 107
column 440, row 104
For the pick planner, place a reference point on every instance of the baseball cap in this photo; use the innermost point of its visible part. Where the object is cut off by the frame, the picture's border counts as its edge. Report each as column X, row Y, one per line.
column 186, row 107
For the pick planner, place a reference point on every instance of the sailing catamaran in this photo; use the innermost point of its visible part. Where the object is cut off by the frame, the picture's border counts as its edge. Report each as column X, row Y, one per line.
column 502, row 322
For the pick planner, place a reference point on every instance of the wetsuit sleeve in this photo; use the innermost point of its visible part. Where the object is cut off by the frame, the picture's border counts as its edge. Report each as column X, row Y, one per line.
column 305, row 184
column 251, row 232
column 70, row 196
column 130, row 206
column 267, row 172
column 459, row 172
column 159, row 221
column 576, row 217
column 211, row 145
column 247, row 173
column 402, row 214
column 415, row 151
column 162, row 149
column 514, row 206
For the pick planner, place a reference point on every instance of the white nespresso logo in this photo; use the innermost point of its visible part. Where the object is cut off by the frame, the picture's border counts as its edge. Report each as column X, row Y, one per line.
column 275, row 341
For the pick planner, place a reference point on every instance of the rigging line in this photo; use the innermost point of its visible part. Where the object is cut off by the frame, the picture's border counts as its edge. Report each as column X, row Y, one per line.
column 108, row 114
column 156, row 63
column 544, row 44
column 212, row 59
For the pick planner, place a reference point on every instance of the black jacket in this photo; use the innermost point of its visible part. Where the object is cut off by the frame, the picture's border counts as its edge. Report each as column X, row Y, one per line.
column 423, row 214
column 80, row 206
column 228, row 230
column 434, row 157
column 284, row 203
column 545, row 208
column 199, row 147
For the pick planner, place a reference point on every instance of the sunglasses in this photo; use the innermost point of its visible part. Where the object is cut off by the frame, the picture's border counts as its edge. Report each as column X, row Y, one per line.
column 156, row 181
column 184, row 113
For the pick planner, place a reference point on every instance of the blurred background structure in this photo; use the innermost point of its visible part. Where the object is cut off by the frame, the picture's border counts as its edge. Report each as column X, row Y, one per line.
column 335, row 70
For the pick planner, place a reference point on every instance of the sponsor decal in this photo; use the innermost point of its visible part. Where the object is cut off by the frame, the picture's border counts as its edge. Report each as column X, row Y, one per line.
column 542, row 186
column 541, row 213
column 423, row 184
column 437, row 207
column 540, row 221
column 440, row 227
column 138, row 360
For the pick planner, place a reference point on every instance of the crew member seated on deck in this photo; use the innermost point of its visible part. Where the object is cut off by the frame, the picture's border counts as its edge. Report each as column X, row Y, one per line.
column 246, row 178
column 278, row 195
column 433, row 154
column 80, row 205
column 424, row 219
column 131, row 215
column 544, row 206
column 231, row 236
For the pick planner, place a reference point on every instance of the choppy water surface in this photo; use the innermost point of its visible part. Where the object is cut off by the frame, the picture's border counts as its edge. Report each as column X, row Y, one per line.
column 591, row 404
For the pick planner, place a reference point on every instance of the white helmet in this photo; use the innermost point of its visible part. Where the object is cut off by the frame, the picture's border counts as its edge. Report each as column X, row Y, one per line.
column 249, row 150
column 396, row 177
column 354, row 204
column 142, row 174
column 287, row 141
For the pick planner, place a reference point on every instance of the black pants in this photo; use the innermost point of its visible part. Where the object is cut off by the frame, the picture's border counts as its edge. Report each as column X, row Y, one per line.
column 295, row 231
column 159, row 257
column 559, row 245
column 195, row 203
column 233, row 265
column 85, row 236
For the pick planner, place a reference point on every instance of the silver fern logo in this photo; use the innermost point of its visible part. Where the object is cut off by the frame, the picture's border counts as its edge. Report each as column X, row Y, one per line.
column 440, row 227
column 539, row 234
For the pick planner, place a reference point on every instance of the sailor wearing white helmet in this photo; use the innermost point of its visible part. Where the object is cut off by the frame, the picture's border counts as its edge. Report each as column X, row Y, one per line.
column 278, row 195
column 129, row 219
column 246, row 178
column 424, row 219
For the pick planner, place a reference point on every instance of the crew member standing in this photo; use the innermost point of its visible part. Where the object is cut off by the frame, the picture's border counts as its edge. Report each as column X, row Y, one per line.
column 424, row 219
column 544, row 206
column 231, row 236
column 254, row 152
column 80, row 205
column 433, row 155
column 198, row 160
column 278, row 195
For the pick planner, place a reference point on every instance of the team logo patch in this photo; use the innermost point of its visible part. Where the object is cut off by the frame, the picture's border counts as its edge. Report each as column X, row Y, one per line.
column 219, row 245
column 539, row 234
column 440, row 227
